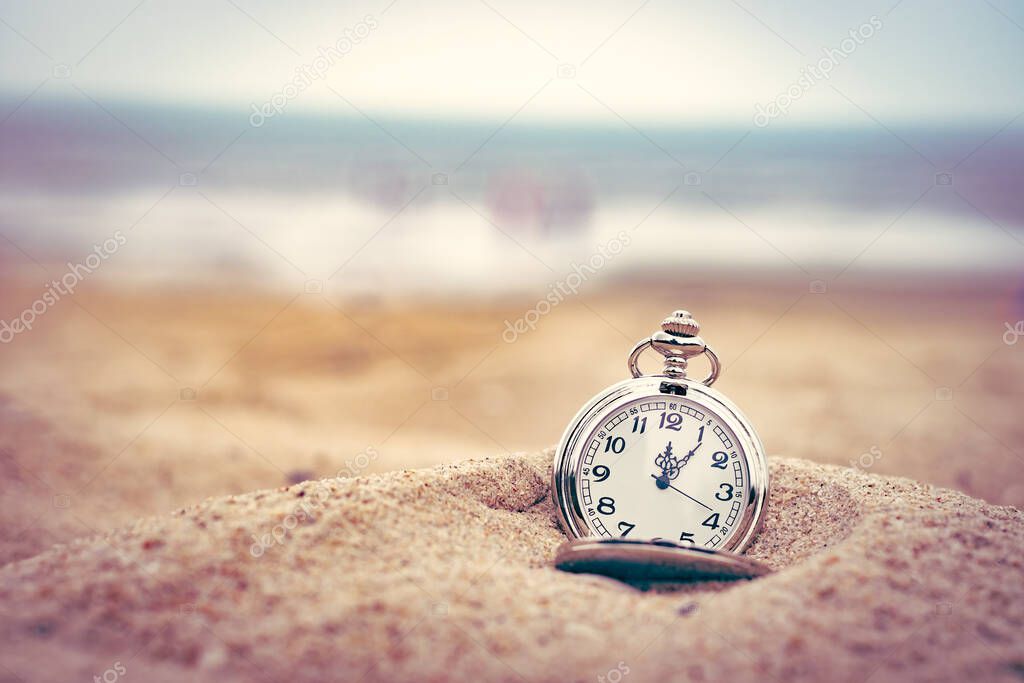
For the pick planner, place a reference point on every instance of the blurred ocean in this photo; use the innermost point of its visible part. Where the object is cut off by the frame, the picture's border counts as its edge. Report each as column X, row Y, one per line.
column 481, row 206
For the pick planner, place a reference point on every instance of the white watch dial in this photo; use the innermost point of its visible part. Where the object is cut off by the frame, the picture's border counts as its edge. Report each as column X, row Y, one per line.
column 666, row 467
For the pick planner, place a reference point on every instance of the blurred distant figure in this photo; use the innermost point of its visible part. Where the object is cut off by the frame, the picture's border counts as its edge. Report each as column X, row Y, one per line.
column 539, row 205
column 380, row 183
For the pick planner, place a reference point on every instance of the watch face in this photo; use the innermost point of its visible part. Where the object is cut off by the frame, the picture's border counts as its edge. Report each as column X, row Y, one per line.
column 664, row 467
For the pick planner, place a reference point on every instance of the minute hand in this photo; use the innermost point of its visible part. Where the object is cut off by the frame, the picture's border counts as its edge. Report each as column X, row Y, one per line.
column 686, row 458
column 685, row 494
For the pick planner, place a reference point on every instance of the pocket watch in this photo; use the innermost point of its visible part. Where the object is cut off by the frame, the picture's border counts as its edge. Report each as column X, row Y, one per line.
column 658, row 465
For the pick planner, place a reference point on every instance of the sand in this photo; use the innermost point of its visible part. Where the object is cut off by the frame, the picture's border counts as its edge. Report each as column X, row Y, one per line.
column 95, row 430
column 444, row 573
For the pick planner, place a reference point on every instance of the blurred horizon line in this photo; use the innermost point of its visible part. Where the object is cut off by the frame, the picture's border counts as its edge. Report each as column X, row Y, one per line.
column 445, row 204
column 12, row 102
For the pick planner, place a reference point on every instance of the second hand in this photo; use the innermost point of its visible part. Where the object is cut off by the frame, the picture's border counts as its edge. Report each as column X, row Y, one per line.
column 661, row 481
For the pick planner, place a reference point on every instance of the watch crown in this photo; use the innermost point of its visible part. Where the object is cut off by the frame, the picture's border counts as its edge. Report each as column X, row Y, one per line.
column 681, row 324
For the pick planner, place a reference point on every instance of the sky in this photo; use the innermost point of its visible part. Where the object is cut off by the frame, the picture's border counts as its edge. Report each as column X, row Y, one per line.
column 283, row 136
column 652, row 61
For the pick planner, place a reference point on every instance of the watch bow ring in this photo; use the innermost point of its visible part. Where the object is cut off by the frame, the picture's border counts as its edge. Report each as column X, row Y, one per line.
column 678, row 342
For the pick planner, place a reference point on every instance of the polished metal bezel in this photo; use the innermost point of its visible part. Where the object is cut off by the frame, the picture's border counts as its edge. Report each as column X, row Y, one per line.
column 569, row 456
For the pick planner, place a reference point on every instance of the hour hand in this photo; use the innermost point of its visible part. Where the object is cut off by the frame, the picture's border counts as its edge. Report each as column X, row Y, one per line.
column 668, row 465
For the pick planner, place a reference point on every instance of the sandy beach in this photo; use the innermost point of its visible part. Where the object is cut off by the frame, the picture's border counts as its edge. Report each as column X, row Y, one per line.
column 125, row 409
column 444, row 574
column 126, row 403
column 296, row 303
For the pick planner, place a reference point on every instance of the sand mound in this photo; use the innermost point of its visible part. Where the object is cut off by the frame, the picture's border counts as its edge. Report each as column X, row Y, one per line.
column 445, row 574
